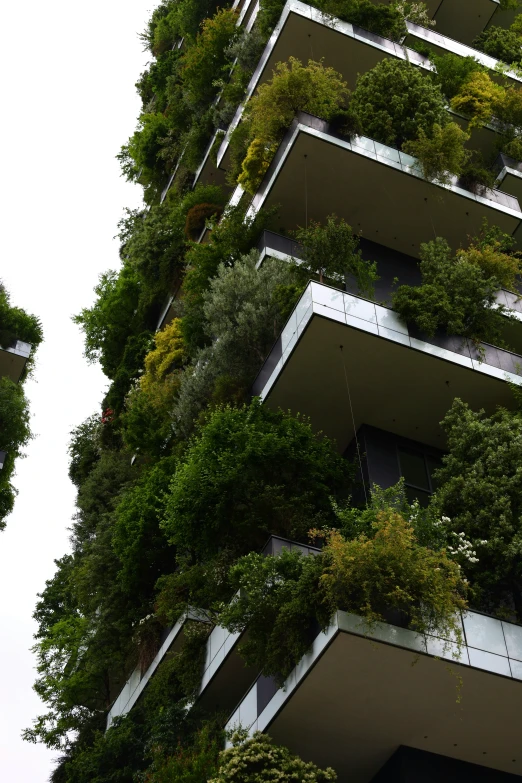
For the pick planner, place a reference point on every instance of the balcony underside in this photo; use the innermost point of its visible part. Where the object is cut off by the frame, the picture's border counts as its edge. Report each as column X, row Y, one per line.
column 316, row 174
column 363, row 699
column 13, row 360
column 396, row 382
column 463, row 20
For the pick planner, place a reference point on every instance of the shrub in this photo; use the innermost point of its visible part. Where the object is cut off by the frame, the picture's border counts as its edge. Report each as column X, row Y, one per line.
column 394, row 101
column 258, row 760
column 456, row 296
column 203, row 62
column 502, row 44
column 285, row 600
column 452, row 71
column 16, row 324
column 442, row 153
column 332, row 251
column 492, row 251
column 248, row 472
column 479, row 491
column 14, row 435
column 140, row 158
column 294, row 87
column 478, row 98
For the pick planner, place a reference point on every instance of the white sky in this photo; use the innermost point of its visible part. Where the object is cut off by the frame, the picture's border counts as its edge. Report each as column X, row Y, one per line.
column 68, row 103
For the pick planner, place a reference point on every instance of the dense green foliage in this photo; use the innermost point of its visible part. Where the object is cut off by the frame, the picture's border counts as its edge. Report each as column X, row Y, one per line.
column 480, row 493
column 249, row 472
column 505, row 45
column 181, row 476
column 332, row 251
column 394, row 101
column 457, row 295
column 381, row 566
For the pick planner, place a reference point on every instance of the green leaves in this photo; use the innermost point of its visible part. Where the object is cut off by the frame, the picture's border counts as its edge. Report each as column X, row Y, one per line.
column 248, row 472
column 480, row 490
column 457, row 294
column 394, row 101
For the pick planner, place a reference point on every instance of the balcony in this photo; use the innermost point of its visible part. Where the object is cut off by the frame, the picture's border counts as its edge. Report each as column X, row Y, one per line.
column 357, row 696
column 376, row 188
column 13, row 360
column 386, row 375
column 304, row 32
column 394, row 269
column 465, row 19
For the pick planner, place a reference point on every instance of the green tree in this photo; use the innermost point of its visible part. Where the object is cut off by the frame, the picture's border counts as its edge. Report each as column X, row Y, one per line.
column 249, row 472
column 456, row 295
column 480, row 491
column 294, row 87
column 394, row 101
column 332, row 251
column 442, row 154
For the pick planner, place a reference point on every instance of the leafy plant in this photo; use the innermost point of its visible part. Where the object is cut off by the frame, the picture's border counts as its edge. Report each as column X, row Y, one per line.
column 332, row 251
column 394, row 102
column 478, row 98
column 442, row 154
column 453, row 71
column 16, row 324
column 479, row 491
column 285, row 600
column 457, row 294
column 257, row 760
column 251, row 471
column 500, row 43
column 294, row 87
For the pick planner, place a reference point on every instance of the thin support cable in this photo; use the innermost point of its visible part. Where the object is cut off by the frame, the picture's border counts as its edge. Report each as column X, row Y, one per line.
column 354, row 427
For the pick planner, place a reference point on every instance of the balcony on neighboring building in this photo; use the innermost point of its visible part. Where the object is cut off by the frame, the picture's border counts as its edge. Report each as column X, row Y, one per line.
column 13, row 359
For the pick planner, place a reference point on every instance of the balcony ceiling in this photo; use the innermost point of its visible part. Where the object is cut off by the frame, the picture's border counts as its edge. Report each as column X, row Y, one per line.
column 363, row 699
column 320, row 176
column 392, row 386
column 11, row 364
column 463, row 20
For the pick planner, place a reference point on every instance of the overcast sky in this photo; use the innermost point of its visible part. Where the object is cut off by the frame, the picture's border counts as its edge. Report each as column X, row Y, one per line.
column 68, row 103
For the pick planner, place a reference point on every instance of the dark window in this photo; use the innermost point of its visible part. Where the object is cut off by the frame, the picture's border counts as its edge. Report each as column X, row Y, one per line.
column 417, row 469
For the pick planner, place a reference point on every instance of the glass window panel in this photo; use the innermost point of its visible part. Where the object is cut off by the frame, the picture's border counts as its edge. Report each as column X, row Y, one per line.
column 413, row 468
column 433, row 464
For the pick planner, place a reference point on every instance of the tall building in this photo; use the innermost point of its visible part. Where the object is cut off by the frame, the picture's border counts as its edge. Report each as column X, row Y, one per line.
column 383, row 702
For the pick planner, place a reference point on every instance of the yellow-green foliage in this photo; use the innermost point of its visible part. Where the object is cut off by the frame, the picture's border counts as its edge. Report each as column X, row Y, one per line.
column 368, row 575
column 441, row 154
column 488, row 251
column 478, row 98
column 294, row 87
column 159, row 363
